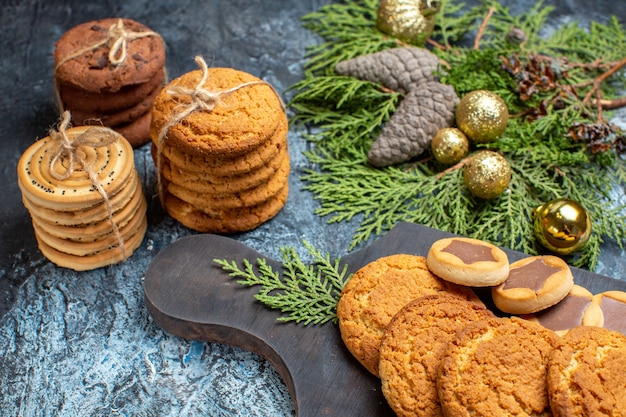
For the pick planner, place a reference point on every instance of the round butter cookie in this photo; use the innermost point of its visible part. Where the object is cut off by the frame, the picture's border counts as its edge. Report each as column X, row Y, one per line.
column 225, row 220
column 81, row 56
column 245, row 114
column 81, row 247
column 79, row 215
column 90, row 232
column 534, row 283
column 412, row 346
column 225, row 165
column 105, row 257
column 496, row 367
column 586, row 373
column 84, row 196
column 113, row 164
column 205, row 183
column 468, row 261
column 578, row 308
column 613, row 307
column 376, row 292
column 246, row 198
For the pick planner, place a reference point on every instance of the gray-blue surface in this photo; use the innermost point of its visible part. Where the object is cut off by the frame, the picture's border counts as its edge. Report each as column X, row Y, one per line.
column 82, row 344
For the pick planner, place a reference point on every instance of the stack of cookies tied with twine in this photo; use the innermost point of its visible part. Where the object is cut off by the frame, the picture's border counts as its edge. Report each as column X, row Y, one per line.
column 84, row 196
column 219, row 143
column 108, row 72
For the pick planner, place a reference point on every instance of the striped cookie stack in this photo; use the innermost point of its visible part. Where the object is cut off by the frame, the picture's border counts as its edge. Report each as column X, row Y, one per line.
column 223, row 166
column 86, row 203
column 108, row 72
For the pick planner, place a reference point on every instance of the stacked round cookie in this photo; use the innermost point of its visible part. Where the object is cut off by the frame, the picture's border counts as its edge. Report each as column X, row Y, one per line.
column 86, row 203
column 220, row 146
column 108, row 72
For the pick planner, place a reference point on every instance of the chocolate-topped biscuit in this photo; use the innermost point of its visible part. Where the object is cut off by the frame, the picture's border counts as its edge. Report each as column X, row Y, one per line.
column 613, row 306
column 533, row 284
column 578, row 308
column 467, row 261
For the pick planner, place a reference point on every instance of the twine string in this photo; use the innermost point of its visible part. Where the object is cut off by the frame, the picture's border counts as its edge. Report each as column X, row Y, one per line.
column 199, row 99
column 69, row 150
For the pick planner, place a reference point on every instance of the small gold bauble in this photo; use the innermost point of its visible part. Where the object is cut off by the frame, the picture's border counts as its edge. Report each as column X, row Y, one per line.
column 449, row 145
column 562, row 226
column 482, row 116
column 487, row 174
column 411, row 21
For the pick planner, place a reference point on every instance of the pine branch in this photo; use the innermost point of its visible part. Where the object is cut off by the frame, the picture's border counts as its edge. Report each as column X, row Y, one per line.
column 305, row 293
column 548, row 159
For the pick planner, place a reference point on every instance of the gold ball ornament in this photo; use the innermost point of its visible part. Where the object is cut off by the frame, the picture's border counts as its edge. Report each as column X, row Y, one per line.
column 487, row 174
column 411, row 21
column 449, row 145
column 482, row 115
column 562, row 226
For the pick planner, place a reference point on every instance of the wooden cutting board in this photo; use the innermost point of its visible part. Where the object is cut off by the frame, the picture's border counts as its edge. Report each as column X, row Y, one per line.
column 188, row 295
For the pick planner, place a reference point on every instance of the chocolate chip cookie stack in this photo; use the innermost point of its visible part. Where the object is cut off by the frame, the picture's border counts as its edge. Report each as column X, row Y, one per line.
column 219, row 141
column 84, row 197
column 108, row 72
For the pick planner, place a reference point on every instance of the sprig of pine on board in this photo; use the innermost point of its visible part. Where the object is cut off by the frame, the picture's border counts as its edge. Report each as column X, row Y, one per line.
column 539, row 143
column 304, row 293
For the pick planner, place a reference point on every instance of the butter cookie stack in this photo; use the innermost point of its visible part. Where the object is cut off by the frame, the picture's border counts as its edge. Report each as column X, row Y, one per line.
column 219, row 141
column 108, row 72
column 84, row 197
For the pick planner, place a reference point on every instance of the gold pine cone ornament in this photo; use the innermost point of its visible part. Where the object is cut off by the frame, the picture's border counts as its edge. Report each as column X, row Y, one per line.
column 411, row 21
column 562, row 226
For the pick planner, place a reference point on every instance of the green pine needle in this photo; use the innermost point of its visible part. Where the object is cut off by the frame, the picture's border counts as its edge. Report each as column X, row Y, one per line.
column 546, row 163
column 305, row 293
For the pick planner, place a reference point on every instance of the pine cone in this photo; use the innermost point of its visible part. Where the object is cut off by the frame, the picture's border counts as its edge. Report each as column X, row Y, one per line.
column 426, row 107
column 424, row 110
column 398, row 69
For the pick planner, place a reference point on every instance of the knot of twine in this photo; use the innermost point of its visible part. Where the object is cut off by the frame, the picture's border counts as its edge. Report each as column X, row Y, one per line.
column 116, row 40
column 69, row 149
column 199, row 99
